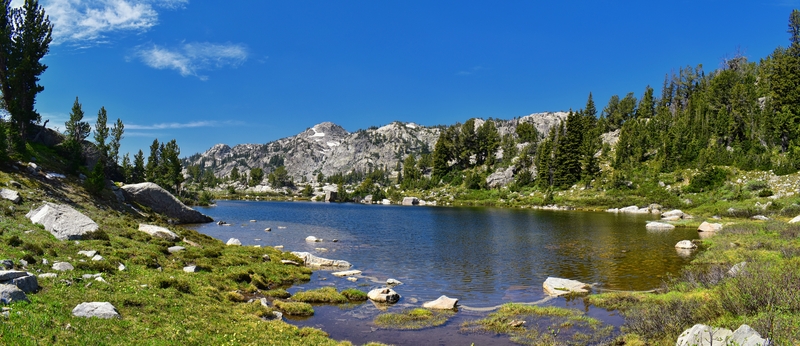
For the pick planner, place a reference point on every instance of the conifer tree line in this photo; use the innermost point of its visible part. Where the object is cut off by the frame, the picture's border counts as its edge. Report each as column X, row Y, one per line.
column 745, row 114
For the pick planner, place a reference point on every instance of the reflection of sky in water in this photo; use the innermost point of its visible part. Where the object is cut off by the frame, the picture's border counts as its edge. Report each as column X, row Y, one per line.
column 484, row 256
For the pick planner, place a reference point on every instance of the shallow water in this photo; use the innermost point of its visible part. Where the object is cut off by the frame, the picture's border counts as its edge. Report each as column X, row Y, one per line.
column 482, row 256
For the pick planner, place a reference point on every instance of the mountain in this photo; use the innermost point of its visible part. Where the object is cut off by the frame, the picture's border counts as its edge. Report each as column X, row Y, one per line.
column 328, row 148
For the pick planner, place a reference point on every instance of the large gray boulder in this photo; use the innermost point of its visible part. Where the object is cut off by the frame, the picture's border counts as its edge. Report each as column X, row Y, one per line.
column 709, row 227
column 441, row 303
column 501, row 177
column 10, row 294
column 23, row 280
column 703, row 335
column 410, row 201
column 746, row 336
column 62, row 221
column 314, row 261
column 161, row 201
column 10, row 195
column 383, row 295
column 659, row 226
column 96, row 309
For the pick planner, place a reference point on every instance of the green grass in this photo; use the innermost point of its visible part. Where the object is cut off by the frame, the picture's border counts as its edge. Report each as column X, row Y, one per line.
column 320, row 295
column 417, row 318
column 294, row 308
column 353, row 294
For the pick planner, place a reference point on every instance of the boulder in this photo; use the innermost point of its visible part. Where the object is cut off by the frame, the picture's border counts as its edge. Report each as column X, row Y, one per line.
column 558, row 286
column 89, row 253
column 174, row 249
column 8, row 275
column 685, row 244
column 62, row 266
column 709, row 227
column 393, row 282
column 11, row 195
column 97, row 258
column 410, row 201
column 313, row 239
column 367, row 199
column 659, row 226
column 314, row 261
column 387, row 202
column 501, row 177
column 634, row 210
column 96, row 309
column 383, row 295
column 161, row 201
column 442, row 303
column 795, row 220
column 158, row 232
column 331, row 196
column 62, row 221
column 344, row 273
column 759, row 218
column 190, row 269
column 673, row 213
column 746, row 336
column 703, row 335
column 234, row 242
column 10, row 294
column 23, row 280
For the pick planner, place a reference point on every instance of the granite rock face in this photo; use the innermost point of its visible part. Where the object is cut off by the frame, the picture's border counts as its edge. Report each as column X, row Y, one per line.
column 163, row 202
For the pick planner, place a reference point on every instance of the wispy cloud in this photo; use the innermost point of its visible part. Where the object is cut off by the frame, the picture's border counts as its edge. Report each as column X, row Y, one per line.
column 190, row 58
column 165, row 126
column 469, row 71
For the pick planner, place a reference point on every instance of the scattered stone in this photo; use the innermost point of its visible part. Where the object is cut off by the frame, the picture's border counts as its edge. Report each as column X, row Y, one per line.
column 174, row 249
column 736, row 269
column 278, row 315
column 335, row 240
column 278, row 247
column 161, row 201
column 10, row 195
column 267, row 229
column 410, row 201
column 158, row 232
column 62, row 221
column 48, row 276
column 393, row 282
column 352, row 279
column 233, row 241
column 10, row 294
column 15, row 184
column 97, row 258
column 314, row 261
column 220, row 223
column 100, row 279
column 320, row 249
column 313, row 239
column 795, row 220
column 386, row 201
column 709, row 227
column 90, row 253
column 673, row 213
column 190, row 269
column 558, row 286
column 7, row 264
column 26, row 282
column 383, row 295
column 252, row 220
column 290, row 262
column 96, row 309
column 23, row 263
column 62, row 266
column 45, row 261
column 342, row 274
column 659, row 226
column 442, row 303
column 265, row 258
column 121, row 267
column 703, row 335
column 759, row 218
column 685, row 244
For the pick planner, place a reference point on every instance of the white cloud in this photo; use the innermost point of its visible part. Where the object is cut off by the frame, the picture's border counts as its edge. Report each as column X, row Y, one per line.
column 91, row 20
column 165, row 126
column 189, row 58
column 470, row 71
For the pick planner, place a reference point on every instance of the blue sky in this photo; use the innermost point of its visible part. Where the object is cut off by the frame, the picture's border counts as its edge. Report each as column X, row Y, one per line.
column 254, row 71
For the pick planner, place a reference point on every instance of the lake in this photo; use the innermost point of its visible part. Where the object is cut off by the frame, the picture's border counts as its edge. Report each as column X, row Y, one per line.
column 482, row 256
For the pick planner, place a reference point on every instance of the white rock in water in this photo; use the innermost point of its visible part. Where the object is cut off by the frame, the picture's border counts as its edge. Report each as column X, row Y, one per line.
column 342, row 274
column 558, row 286
column 659, row 226
column 442, row 303
column 384, row 295
column 685, row 244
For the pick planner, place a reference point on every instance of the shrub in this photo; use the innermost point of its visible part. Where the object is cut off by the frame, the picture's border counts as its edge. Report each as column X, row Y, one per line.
column 765, row 193
column 14, row 241
column 755, row 185
column 708, row 180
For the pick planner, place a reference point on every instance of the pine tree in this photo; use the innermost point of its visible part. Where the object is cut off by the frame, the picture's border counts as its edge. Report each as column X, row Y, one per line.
column 77, row 131
column 116, row 136
column 153, row 162
column 568, row 152
column 488, row 139
column 101, row 134
column 138, row 173
column 127, row 169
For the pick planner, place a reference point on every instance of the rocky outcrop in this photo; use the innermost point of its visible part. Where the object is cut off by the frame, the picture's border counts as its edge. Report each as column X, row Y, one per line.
column 501, row 177
column 62, row 221
column 383, row 295
column 314, row 261
column 441, row 303
column 161, row 201
column 96, row 309
column 703, row 335
column 158, row 232
column 558, row 286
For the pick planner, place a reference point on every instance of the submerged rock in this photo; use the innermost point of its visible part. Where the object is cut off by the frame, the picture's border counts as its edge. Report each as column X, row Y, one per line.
column 685, row 244
column 659, row 226
column 558, row 286
column 342, row 274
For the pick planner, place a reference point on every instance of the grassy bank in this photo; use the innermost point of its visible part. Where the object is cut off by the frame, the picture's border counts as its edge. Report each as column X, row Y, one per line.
column 159, row 303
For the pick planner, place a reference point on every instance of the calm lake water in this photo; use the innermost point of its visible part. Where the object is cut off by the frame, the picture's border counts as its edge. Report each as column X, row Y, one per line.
column 482, row 256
